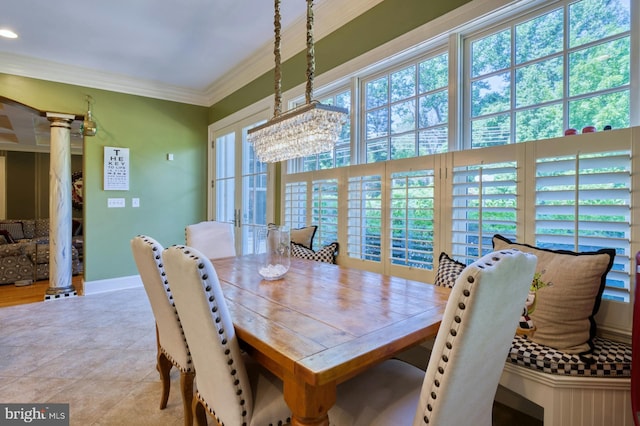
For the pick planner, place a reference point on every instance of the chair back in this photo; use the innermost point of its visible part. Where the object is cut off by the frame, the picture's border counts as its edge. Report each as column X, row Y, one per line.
column 147, row 254
column 222, row 378
column 214, row 239
column 635, row 348
column 471, row 346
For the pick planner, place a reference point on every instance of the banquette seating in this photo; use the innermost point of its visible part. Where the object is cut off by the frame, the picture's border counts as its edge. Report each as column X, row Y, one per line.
column 465, row 365
column 576, row 376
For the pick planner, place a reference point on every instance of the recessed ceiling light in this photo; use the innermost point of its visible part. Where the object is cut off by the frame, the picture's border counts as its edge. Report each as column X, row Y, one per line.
column 7, row 33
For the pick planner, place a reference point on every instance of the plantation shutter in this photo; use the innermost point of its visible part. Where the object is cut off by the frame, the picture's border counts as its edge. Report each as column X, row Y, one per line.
column 411, row 214
column 484, row 203
column 324, row 211
column 364, row 216
column 295, row 204
column 583, row 203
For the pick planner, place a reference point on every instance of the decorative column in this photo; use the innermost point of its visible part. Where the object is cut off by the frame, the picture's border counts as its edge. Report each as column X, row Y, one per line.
column 60, row 252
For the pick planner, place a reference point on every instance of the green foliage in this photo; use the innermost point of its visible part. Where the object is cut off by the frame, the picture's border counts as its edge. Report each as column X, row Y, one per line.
column 597, row 78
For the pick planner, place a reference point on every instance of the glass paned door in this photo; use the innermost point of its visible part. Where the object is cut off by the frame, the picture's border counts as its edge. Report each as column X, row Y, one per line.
column 240, row 186
column 254, row 196
column 225, row 178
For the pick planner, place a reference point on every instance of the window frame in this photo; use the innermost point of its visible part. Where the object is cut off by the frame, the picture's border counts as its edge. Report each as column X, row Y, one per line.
column 566, row 99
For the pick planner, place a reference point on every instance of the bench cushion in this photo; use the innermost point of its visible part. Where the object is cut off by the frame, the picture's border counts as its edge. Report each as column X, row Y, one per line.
column 609, row 358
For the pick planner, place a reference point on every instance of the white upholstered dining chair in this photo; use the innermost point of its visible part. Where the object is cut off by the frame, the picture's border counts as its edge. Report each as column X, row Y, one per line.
column 214, row 239
column 230, row 387
column 466, row 363
column 171, row 344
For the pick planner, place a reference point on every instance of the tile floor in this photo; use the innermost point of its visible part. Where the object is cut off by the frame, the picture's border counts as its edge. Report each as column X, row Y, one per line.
column 97, row 353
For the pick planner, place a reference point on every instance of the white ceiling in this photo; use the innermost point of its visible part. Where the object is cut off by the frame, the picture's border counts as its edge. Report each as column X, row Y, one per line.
column 192, row 51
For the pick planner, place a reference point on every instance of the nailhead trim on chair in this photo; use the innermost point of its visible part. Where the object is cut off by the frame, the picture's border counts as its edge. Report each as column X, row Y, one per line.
column 223, row 340
column 158, row 257
column 441, row 371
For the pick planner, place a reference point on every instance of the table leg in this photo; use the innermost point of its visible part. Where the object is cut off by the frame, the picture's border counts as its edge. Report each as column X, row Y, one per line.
column 309, row 404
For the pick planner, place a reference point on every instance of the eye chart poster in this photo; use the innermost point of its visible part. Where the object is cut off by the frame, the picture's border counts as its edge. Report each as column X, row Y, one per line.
column 116, row 169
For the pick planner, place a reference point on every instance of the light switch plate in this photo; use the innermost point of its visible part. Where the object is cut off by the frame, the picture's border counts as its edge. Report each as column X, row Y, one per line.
column 115, row 202
column 135, row 202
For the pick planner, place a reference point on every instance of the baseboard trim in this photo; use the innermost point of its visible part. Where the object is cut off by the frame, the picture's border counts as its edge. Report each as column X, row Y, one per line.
column 112, row 284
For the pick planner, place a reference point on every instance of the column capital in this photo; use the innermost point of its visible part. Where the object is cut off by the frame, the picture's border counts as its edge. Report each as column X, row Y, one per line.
column 59, row 117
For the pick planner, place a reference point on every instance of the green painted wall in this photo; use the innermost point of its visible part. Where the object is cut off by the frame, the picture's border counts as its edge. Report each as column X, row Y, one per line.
column 387, row 20
column 172, row 193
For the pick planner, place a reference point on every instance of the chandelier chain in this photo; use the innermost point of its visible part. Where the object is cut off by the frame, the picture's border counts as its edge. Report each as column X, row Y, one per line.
column 277, row 104
column 311, row 62
column 308, row 129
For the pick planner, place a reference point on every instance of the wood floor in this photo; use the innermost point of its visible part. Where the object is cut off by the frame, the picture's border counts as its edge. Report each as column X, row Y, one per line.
column 12, row 295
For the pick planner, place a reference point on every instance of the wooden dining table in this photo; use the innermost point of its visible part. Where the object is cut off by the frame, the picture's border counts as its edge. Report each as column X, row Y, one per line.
column 322, row 324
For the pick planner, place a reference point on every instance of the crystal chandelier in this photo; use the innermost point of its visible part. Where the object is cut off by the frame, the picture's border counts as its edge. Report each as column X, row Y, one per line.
column 309, row 129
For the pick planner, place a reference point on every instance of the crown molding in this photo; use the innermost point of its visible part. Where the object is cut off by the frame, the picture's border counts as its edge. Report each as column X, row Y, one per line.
column 329, row 15
column 60, row 73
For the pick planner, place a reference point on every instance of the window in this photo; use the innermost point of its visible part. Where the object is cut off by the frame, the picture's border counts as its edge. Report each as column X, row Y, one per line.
column 340, row 156
column 568, row 67
column 423, row 179
column 406, row 111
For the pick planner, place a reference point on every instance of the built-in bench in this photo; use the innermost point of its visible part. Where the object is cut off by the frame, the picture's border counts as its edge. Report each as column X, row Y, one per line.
column 573, row 390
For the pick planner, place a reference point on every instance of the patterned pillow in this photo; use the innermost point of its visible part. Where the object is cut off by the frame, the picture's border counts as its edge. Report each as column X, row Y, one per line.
column 14, row 228
column 448, row 271
column 326, row 254
column 304, row 236
column 6, row 236
column 566, row 306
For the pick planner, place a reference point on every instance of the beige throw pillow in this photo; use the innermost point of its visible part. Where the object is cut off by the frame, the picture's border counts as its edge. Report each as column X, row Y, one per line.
column 565, row 309
column 304, row 236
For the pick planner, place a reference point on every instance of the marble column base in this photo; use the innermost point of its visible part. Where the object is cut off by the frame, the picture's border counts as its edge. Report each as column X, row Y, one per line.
column 57, row 293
